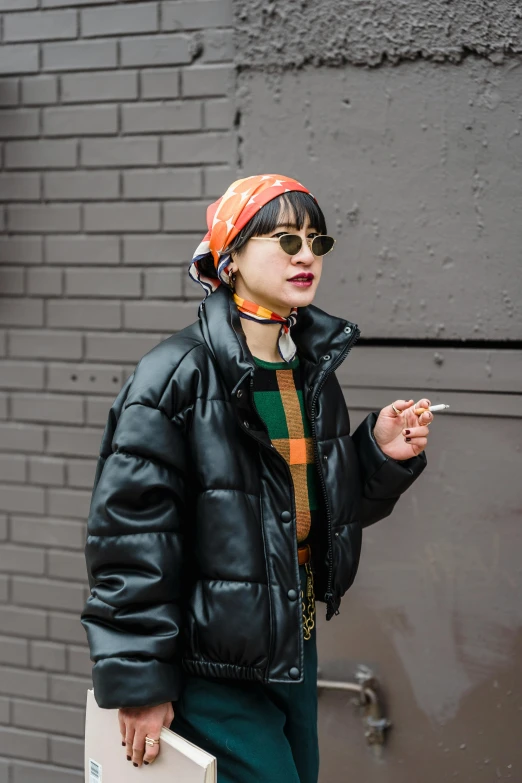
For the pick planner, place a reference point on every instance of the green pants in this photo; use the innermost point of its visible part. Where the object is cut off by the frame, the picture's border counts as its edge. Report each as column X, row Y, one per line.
column 257, row 732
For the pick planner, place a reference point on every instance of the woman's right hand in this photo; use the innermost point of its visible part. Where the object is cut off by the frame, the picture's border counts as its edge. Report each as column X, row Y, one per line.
column 136, row 723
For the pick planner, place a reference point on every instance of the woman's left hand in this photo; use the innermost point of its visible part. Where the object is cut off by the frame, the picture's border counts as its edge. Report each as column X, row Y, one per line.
column 405, row 435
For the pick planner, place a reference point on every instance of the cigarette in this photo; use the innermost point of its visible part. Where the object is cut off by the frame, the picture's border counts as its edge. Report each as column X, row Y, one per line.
column 432, row 408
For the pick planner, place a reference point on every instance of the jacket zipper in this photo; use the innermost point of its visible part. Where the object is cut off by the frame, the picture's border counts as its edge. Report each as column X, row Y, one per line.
column 328, row 596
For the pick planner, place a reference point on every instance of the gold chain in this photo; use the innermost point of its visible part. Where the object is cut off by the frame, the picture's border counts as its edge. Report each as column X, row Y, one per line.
column 308, row 611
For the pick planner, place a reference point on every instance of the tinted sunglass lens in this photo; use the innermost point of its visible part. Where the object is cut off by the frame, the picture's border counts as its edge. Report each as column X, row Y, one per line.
column 291, row 243
column 322, row 245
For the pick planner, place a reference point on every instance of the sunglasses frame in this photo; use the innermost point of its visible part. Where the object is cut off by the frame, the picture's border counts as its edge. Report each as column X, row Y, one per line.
column 308, row 241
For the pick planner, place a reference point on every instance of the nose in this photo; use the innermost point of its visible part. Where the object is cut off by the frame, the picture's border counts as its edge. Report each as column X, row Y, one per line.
column 305, row 255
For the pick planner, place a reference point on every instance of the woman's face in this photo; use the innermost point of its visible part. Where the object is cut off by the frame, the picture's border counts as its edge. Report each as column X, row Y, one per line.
column 264, row 269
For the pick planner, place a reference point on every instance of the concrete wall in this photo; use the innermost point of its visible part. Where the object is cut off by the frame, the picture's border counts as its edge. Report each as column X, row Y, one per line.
column 116, row 131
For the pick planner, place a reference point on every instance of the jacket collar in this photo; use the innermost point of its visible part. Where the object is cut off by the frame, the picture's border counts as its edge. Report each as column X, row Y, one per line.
column 316, row 334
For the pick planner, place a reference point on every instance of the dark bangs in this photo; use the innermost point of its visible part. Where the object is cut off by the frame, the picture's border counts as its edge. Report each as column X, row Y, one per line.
column 295, row 206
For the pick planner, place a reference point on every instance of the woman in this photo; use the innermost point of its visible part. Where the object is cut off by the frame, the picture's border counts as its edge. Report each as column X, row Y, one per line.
column 229, row 494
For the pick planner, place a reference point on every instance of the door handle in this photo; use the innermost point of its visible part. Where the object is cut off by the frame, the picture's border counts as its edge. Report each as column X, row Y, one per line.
column 367, row 689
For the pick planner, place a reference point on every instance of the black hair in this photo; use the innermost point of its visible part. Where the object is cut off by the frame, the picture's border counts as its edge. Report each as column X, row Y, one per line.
column 299, row 206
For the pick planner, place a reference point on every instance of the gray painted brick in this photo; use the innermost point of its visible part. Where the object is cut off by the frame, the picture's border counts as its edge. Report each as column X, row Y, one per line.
column 196, row 14
column 3, row 342
column 66, row 750
column 69, row 503
column 5, row 767
column 80, row 472
column 47, row 407
column 157, row 50
column 55, row 718
column 4, row 589
column 203, row 80
column 4, row 718
column 21, row 375
column 12, row 280
column 49, row 656
column 3, row 406
column 74, row 442
column 159, row 83
column 20, row 250
column 39, row 90
column 46, row 471
column 14, row 651
column 12, row 468
column 79, row 55
column 44, row 218
column 42, row 154
column 218, row 46
column 81, row 185
column 19, row 187
column 18, row 58
column 83, row 313
column 46, row 532
column 21, row 312
column 217, row 179
column 69, row 689
column 82, row 250
column 161, row 249
column 102, row 282
column 98, row 410
column 163, row 283
column 62, row 3
column 67, row 565
column 21, row 437
column 18, row 123
column 23, row 744
column 162, row 183
column 18, row 559
column 66, row 627
column 156, row 117
column 40, row 25
column 79, row 660
column 30, row 773
column 21, row 682
column 99, row 86
column 199, row 148
column 128, row 347
column 155, row 315
column 17, row 5
column 24, row 500
column 3, row 529
column 80, row 120
column 219, row 114
column 119, row 20
column 120, row 152
column 187, row 216
column 44, row 282
column 9, row 92
column 32, row 344
column 136, row 216
column 84, row 378
column 29, row 591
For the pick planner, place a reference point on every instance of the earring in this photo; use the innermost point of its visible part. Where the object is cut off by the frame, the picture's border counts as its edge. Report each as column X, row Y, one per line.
column 233, row 281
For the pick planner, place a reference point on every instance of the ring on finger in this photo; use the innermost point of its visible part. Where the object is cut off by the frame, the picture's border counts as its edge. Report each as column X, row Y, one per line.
column 397, row 413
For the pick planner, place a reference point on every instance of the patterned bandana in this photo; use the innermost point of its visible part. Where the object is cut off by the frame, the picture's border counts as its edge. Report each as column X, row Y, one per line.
column 225, row 219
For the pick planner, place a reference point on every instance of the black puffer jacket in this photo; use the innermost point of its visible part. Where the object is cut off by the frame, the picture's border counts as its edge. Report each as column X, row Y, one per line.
column 191, row 550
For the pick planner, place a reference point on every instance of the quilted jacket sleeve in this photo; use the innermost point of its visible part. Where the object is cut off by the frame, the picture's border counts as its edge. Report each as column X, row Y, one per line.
column 383, row 478
column 134, row 558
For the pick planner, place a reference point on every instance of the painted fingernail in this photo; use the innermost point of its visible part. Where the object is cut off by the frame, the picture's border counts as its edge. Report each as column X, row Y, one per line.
column 128, row 758
column 145, row 762
column 407, row 440
column 122, row 742
column 134, row 764
column 406, row 432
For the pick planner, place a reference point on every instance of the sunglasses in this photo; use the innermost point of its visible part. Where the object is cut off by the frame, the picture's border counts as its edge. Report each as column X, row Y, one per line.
column 320, row 245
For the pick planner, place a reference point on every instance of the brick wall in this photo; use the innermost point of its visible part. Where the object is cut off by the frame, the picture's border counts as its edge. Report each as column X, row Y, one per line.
column 116, row 130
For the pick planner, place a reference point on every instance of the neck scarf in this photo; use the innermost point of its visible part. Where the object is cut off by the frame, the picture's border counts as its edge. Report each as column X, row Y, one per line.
column 225, row 219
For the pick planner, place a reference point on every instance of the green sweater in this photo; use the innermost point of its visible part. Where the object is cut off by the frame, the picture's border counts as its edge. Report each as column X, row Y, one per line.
column 278, row 396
